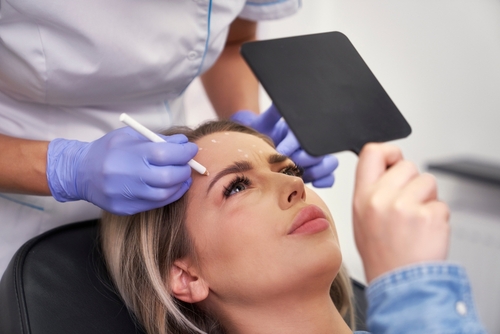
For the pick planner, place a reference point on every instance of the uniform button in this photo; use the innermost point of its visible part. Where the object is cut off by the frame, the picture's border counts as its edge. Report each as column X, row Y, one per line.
column 461, row 308
column 192, row 55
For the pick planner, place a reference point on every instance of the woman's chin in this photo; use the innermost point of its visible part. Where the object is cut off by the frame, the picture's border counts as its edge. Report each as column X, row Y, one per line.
column 320, row 263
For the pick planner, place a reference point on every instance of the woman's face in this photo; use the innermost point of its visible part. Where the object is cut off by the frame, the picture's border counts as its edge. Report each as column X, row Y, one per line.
column 257, row 230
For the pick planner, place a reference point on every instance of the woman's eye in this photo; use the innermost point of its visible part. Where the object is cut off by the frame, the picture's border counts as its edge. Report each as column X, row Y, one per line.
column 237, row 188
column 293, row 170
column 239, row 184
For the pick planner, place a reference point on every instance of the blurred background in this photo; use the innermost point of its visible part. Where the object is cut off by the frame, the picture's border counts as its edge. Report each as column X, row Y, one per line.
column 439, row 61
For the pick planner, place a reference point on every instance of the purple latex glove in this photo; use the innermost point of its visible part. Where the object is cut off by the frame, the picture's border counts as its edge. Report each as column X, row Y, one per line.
column 121, row 172
column 318, row 170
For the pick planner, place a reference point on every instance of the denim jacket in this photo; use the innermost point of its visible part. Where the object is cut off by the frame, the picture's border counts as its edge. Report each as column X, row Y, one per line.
column 426, row 298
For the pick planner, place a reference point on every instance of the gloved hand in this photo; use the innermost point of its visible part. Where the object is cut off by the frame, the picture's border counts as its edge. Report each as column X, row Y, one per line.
column 121, row 172
column 318, row 170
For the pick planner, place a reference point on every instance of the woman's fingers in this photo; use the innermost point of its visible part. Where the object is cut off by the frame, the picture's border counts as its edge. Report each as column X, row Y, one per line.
column 374, row 159
column 397, row 218
column 421, row 189
column 398, row 175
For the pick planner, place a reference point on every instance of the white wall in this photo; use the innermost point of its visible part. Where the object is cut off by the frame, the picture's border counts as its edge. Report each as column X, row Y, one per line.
column 439, row 60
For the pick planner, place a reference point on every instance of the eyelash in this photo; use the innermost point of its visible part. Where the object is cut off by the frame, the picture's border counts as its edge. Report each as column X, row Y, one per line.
column 238, row 180
column 292, row 170
column 295, row 170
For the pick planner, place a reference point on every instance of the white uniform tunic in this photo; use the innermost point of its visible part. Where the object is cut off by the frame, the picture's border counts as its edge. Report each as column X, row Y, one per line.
column 68, row 69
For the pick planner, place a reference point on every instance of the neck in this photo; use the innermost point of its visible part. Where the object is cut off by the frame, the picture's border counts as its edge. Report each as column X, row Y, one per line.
column 292, row 314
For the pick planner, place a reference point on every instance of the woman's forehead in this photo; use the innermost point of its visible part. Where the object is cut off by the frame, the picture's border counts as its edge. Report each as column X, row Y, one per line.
column 230, row 145
column 219, row 150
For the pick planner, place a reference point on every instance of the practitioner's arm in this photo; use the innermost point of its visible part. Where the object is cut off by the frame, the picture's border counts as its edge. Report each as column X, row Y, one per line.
column 121, row 172
column 229, row 83
column 23, row 166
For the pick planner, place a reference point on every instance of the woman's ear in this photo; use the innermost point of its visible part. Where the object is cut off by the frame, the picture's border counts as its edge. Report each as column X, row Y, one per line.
column 185, row 283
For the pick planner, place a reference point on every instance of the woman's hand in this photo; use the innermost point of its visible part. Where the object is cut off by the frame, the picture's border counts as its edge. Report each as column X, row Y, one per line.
column 398, row 220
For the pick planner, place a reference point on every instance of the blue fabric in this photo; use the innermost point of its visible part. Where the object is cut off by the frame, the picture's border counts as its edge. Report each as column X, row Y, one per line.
column 426, row 298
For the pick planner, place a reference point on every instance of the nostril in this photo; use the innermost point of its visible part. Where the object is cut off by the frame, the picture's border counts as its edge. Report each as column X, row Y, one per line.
column 291, row 196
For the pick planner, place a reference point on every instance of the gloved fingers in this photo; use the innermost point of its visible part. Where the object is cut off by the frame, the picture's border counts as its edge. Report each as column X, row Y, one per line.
column 127, row 131
column 288, row 145
column 266, row 121
column 164, row 154
column 175, row 139
column 166, row 176
column 155, row 198
column 279, row 132
column 245, row 117
column 321, row 170
column 303, row 159
column 162, row 196
column 184, row 187
column 325, row 182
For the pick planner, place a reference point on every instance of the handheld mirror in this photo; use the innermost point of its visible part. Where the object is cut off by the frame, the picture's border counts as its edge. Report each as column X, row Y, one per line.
column 325, row 91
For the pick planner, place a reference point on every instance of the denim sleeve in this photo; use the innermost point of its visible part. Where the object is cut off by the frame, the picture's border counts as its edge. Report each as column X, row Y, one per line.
column 426, row 298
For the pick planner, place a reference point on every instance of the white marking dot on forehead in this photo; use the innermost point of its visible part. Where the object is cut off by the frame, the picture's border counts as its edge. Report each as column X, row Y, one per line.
column 240, row 150
column 213, row 141
column 201, row 148
column 226, row 133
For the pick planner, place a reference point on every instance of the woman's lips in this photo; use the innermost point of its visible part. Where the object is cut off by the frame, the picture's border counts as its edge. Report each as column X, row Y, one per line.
column 309, row 220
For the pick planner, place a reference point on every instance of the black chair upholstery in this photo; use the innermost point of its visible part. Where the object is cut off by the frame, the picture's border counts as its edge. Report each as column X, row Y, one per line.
column 360, row 305
column 57, row 284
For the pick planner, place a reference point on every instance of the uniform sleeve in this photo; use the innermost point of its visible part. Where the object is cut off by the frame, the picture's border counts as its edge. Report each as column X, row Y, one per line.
column 427, row 298
column 256, row 10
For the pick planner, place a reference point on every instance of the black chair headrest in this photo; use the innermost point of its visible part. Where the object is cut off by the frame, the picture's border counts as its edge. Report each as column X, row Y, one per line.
column 57, row 283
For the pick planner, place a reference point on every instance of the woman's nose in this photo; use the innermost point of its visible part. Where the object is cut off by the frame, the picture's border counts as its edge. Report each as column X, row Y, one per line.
column 292, row 191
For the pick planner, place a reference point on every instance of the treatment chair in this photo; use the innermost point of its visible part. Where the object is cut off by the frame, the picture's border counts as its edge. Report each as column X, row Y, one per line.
column 57, row 284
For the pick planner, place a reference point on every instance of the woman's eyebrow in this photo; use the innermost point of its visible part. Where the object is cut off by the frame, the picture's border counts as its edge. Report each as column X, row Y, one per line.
column 236, row 167
column 276, row 158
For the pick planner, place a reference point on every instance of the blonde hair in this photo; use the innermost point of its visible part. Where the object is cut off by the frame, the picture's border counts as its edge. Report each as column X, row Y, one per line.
column 139, row 251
